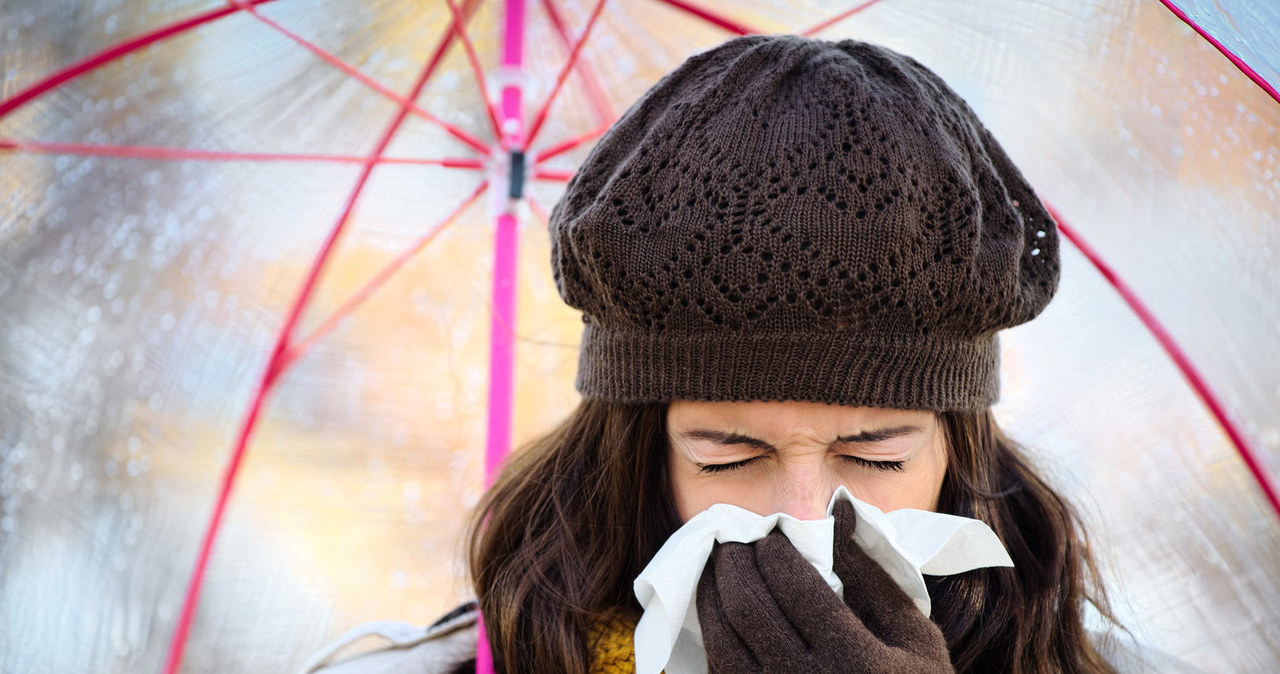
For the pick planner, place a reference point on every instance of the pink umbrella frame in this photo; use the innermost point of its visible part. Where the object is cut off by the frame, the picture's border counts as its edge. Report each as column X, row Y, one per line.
column 507, row 168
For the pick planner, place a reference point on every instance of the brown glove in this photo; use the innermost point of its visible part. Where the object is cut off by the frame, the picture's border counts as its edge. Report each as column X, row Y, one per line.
column 764, row 608
column 881, row 605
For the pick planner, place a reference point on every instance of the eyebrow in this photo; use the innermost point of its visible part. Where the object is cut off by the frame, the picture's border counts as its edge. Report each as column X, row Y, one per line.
column 739, row 439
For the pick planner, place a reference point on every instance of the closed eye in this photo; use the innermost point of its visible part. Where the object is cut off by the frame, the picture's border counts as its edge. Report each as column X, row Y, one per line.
column 895, row 466
column 724, row 467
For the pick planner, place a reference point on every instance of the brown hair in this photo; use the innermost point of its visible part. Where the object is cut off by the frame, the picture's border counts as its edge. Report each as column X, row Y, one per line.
column 1028, row 618
column 577, row 514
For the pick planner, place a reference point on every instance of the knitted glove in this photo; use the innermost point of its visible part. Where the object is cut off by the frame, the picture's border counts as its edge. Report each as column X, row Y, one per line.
column 880, row 605
column 764, row 608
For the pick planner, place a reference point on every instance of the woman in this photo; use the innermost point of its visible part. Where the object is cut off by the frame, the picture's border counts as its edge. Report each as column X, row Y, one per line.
column 792, row 257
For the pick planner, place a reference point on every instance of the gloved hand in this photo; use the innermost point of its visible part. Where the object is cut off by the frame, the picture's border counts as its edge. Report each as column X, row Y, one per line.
column 764, row 608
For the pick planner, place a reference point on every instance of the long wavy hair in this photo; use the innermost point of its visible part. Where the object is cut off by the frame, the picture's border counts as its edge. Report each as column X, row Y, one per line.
column 576, row 514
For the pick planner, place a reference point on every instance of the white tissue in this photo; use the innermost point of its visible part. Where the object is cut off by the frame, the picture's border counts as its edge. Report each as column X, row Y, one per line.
column 907, row 543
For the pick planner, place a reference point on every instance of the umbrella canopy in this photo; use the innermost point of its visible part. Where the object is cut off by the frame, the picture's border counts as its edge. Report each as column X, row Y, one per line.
column 252, row 243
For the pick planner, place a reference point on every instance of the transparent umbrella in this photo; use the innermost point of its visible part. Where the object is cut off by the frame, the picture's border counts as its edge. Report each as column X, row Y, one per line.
column 260, row 266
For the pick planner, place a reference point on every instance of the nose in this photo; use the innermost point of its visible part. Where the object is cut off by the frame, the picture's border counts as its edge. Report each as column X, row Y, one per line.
column 806, row 508
column 804, row 496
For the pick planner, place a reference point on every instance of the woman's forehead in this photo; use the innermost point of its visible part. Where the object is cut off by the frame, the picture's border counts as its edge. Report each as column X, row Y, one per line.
column 780, row 417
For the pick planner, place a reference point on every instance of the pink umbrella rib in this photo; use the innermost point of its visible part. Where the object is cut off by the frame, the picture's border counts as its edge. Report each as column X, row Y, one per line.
column 595, row 92
column 453, row 130
column 447, row 162
column 153, row 152
column 1180, row 359
column 168, row 153
column 1239, row 63
column 593, row 88
column 539, row 210
column 477, row 71
column 562, row 76
column 711, row 17
column 721, row 21
column 108, row 55
column 365, row 292
column 837, row 18
column 557, row 175
column 561, row 148
column 273, row 370
column 600, row 102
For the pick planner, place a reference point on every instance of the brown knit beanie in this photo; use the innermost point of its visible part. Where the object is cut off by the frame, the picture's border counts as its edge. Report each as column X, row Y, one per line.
column 789, row 218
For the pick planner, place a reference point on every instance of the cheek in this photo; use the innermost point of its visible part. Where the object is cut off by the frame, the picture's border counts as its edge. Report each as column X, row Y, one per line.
column 747, row 487
column 694, row 493
column 918, row 487
column 898, row 491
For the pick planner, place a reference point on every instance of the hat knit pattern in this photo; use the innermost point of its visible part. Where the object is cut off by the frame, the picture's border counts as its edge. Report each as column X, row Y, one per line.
column 789, row 218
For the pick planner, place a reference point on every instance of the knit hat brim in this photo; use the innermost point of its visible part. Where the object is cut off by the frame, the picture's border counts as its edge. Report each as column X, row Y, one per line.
column 838, row 368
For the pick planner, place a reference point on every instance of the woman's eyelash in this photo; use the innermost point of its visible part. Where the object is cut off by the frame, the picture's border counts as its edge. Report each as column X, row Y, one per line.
column 722, row 467
column 895, row 466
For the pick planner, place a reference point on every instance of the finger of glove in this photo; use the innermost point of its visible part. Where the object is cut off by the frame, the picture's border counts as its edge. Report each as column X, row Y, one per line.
column 856, row 569
column 726, row 651
column 876, row 599
column 752, row 610
column 806, row 600
column 846, row 520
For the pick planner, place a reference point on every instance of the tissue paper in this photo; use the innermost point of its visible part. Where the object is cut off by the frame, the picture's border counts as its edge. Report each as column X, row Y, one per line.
column 907, row 543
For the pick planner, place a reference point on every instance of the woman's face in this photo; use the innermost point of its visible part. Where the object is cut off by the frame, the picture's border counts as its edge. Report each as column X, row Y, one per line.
column 789, row 456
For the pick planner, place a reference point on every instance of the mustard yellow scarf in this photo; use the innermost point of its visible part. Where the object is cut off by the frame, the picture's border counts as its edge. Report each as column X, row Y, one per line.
column 612, row 648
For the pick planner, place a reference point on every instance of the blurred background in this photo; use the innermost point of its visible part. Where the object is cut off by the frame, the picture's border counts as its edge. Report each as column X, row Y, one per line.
column 159, row 212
